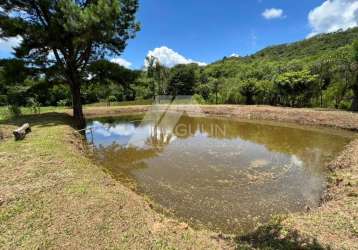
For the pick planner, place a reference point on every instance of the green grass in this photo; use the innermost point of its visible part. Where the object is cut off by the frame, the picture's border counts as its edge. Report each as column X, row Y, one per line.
column 53, row 196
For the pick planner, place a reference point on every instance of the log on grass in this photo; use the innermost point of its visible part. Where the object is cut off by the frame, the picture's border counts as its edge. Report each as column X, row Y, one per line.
column 21, row 132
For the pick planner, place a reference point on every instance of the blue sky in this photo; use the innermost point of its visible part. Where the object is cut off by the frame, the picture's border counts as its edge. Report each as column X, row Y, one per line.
column 207, row 30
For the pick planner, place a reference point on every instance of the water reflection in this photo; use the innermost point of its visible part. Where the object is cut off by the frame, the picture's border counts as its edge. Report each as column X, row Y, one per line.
column 222, row 173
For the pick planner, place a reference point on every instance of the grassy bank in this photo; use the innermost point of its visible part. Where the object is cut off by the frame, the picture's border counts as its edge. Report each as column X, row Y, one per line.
column 336, row 222
column 52, row 196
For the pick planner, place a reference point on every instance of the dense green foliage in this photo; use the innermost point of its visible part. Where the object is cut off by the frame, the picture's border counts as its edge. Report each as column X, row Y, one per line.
column 317, row 72
column 320, row 71
column 22, row 86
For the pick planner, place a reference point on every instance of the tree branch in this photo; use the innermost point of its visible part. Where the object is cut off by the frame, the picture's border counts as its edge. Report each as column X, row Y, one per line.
column 38, row 13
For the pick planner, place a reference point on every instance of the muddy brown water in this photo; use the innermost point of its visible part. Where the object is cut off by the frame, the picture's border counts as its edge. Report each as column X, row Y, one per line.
column 228, row 175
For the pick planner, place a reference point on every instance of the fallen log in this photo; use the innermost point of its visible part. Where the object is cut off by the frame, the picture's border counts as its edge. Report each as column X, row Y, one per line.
column 21, row 132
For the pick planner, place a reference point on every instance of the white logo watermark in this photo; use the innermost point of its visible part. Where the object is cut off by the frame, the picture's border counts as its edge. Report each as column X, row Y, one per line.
column 165, row 121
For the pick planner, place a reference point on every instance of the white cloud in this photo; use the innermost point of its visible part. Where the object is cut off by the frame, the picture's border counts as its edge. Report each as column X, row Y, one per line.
column 7, row 45
column 296, row 161
column 272, row 13
column 333, row 15
column 169, row 57
column 234, row 55
column 106, row 130
column 122, row 62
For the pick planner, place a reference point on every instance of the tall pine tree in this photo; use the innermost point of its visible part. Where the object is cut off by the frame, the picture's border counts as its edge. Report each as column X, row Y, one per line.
column 69, row 34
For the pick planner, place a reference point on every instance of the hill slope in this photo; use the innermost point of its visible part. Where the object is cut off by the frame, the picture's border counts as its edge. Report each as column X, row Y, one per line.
column 302, row 52
column 310, row 47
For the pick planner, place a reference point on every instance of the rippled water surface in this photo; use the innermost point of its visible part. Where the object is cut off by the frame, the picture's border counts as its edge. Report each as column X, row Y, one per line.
column 222, row 173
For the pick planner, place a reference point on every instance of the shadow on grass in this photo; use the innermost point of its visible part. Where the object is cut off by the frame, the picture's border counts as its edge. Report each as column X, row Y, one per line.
column 275, row 236
column 41, row 120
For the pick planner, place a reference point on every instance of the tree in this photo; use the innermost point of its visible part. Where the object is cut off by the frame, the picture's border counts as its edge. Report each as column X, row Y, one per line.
column 324, row 71
column 296, row 87
column 343, row 76
column 215, row 86
column 346, row 64
column 355, row 83
column 249, row 89
column 70, row 34
column 161, row 75
column 158, row 76
column 101, row 71
column 106, row 72
column 182, row 79
column 14, row 71
column 150, row 61
column 12, row 77
column 267, row 93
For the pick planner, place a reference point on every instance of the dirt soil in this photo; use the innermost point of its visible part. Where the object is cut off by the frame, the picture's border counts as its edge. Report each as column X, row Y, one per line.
column 53, row 197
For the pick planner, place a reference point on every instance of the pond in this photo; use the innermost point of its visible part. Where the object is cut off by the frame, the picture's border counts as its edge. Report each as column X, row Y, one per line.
column 226, row 174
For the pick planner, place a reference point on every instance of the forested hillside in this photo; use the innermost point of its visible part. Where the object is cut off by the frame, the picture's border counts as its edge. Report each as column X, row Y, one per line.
column 320, row 71
column 317, row 72
column 308, row 50
column 314, row 46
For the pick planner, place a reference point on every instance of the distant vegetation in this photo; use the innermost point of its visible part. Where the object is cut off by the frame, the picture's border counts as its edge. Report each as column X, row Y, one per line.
column 317, row 72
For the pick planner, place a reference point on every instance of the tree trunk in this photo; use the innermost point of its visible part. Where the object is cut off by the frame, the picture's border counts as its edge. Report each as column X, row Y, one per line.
column 355, row 100
column 355, row 95
column 80, row 121
column 249, row 100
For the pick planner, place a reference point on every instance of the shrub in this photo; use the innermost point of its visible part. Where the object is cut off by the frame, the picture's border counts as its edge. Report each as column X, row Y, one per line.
column 199, row 99
column 14, row 111
column 345, row 104
column 213, row 98
column 63, row 103
column 3, row 100
column 110, row 99
column 34, row 105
